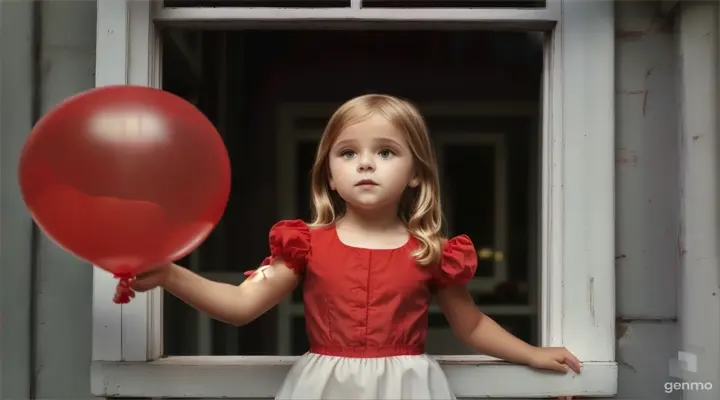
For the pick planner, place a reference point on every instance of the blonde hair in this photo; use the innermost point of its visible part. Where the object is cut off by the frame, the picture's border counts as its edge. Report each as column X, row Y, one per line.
column 420, row 207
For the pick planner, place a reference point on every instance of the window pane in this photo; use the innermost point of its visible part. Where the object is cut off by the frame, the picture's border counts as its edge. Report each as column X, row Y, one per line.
column 469, row 188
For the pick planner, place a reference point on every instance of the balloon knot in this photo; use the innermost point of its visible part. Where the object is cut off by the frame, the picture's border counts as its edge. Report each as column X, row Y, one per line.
column 123, row 291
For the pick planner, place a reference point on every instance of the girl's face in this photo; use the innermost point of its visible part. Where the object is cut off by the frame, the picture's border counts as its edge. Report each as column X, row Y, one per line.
column 371, row 164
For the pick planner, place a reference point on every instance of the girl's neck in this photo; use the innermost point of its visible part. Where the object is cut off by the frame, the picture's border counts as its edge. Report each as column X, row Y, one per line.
column 371, row 220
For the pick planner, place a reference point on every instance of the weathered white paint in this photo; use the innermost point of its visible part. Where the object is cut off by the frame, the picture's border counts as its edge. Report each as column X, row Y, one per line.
column 648, row 216
column 112, row 33
column 577, row 212
column 578, row 217
column 647, row 184
column 647, row 148
column 126, row 44
column 250, row 377
column 526, row 19
column 700, row 235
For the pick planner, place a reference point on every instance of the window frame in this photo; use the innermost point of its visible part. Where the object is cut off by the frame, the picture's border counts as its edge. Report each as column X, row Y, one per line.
column 577, row 216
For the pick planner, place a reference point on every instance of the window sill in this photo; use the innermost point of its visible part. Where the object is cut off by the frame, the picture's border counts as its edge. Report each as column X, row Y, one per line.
column 261, row 377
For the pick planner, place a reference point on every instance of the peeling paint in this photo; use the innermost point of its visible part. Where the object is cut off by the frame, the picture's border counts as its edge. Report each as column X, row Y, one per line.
column 623, row 34
column 658, row 24
column 627, row 157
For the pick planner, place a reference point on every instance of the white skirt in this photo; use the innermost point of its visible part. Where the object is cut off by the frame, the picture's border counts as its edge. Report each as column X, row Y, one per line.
column 316, row 376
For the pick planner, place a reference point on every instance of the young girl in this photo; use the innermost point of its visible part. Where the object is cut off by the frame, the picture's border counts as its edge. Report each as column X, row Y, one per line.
column 369, row 263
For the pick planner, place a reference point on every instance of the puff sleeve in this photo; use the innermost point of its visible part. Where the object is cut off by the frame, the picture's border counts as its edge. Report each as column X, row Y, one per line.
column 458, row 263
column 290, row 241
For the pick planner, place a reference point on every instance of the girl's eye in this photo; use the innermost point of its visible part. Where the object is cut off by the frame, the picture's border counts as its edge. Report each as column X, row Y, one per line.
column 347, row 154
column 386, row 153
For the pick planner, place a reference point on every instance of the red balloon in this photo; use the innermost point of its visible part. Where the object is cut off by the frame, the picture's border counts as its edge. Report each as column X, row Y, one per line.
column 126, row 178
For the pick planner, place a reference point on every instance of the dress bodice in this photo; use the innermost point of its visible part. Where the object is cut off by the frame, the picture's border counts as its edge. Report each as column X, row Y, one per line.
column 366, row 302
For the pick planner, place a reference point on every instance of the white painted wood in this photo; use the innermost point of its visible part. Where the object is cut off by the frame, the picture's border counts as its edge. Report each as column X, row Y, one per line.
column 584, row 184
column 554, row 7
column 111, row 68
column 551, row 206
column 260, row 377
column 699, row 241
column 144, row 68
column 127, row 45
column 527, row 19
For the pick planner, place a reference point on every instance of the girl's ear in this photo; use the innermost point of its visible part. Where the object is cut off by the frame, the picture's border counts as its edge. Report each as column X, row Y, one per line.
column 414, row 180
column 332, row 185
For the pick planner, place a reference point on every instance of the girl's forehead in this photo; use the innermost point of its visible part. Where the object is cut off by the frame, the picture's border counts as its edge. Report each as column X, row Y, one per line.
column 374, row 128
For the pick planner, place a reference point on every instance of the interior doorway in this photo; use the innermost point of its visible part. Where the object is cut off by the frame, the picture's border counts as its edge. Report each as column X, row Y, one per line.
column 270, row 94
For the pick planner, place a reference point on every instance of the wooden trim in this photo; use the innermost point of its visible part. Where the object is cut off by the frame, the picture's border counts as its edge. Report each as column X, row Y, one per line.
column 260, row 377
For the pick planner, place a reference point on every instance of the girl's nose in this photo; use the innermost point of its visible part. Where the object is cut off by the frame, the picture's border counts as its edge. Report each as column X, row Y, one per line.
column 365, row 164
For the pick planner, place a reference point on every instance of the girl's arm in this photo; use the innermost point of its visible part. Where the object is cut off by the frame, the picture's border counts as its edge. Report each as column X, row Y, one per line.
column 482, row 333
column 237, row 305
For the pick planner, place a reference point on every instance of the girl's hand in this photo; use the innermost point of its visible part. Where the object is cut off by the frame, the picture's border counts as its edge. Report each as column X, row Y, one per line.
column 555, row 359
column 151, row 279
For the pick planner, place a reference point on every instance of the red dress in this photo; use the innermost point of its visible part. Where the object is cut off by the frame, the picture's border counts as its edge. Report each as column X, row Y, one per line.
column 369, row 308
